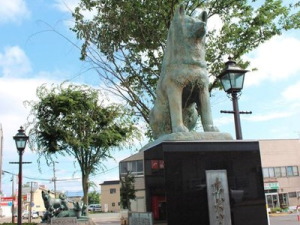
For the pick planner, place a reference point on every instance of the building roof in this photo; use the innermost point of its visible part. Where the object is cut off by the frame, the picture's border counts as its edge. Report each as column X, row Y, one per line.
column 110, row 182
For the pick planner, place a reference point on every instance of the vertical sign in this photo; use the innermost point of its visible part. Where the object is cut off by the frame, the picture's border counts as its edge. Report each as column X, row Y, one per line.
column 218, row 197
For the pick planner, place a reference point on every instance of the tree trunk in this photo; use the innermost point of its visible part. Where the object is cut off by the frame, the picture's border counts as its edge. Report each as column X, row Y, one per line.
column 85, row 188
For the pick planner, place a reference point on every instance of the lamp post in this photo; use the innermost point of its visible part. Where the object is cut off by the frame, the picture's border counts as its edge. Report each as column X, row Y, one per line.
column 232, row 80
column 21, row 140
column 13, row 199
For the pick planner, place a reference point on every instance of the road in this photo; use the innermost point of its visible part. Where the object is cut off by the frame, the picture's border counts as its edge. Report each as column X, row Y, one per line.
column 285, row 219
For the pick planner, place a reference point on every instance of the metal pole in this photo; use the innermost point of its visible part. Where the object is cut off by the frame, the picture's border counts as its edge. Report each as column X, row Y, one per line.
column 30, row 204
column 13, row 199
column 237, row 121
column 20, row 189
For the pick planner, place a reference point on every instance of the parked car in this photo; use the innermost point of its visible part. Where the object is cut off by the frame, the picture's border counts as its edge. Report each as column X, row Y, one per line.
column 25, row 215
column 34, row 215
column 94, row 208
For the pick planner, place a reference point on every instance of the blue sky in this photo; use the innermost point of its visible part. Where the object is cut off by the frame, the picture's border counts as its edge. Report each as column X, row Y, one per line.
column 31, row 54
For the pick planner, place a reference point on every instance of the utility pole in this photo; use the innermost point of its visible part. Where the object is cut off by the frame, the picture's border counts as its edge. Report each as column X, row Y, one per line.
column 236, row 113
column 54, row 178
column 30, row 204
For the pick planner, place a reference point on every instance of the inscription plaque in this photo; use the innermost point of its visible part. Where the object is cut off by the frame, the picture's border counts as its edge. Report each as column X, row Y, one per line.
column 218, row 197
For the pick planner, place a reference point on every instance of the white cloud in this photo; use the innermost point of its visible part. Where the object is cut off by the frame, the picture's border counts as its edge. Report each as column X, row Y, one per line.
column 275, row 60
column 13, row 114
column 221, row 121
column 292, row 92
column 14, row 62
column 66, row 5
column 269, row 116
column 13, row 11
column 215, row 23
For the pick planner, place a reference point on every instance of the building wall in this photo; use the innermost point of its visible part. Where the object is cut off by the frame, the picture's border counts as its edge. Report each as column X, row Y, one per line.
column 1, row 154
column 38, row 202
column 139, row 204
column 282, row 153
column 110, row 197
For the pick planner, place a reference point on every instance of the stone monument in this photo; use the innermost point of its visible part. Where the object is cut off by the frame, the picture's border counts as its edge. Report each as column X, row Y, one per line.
column 196, row 177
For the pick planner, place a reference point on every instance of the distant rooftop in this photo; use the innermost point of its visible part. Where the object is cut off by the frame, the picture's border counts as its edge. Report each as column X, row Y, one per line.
column 110, row 182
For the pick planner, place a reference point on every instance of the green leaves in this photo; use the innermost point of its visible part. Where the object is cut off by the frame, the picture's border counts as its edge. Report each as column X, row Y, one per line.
column 69, row 119
column 127, row 190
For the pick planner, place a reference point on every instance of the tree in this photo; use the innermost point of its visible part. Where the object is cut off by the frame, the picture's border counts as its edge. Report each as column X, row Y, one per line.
column 73, row 120
column 124, row 40
column 93, row 197
column 127, row 190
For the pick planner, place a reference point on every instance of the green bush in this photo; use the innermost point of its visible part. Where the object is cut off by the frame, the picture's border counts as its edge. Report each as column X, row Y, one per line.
column 277, row 209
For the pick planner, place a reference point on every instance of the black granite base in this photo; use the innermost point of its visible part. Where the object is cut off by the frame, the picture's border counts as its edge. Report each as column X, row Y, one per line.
column 176, row 190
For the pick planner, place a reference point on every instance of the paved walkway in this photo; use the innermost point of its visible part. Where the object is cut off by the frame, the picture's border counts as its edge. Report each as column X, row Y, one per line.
column 98, row 218
column 106, row 218
column 114, row 219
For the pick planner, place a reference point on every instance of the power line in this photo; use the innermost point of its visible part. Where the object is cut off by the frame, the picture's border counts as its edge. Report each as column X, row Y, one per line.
column 66, row 179
column 41, row 179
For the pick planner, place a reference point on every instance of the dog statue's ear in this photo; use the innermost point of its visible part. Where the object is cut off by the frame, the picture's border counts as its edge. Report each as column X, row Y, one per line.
column 180, row 11
column 203, row 16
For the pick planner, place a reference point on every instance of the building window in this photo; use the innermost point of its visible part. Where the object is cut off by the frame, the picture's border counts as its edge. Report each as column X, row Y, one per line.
column 292, row 171
column 284, row 171
column 289, row 171
column 271, row 172
column 134, row 167
column 295, row 171
column 292, row 195
column 268, row 172
column 112, row 191
column 277, row 171
column 113, row 204
column 265, row 172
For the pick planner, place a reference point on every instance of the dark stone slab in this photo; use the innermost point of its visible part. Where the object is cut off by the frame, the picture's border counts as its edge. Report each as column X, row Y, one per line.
column 87, row 221
column 176, row 190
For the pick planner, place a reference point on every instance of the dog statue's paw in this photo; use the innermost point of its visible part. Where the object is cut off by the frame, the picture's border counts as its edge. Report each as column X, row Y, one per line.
column 210, row 128
column 180, row 128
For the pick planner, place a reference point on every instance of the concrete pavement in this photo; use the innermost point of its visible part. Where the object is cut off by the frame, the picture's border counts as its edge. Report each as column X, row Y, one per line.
column 106, row 218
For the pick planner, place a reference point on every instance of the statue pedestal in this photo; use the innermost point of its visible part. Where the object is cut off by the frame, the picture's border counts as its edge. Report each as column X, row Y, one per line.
column 177, row 184
column 189, row 136
column 70, row 221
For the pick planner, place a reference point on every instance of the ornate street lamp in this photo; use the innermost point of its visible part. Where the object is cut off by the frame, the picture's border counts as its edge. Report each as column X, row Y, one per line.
column 232, row 80
column 21, row 140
